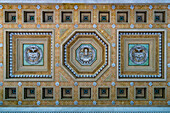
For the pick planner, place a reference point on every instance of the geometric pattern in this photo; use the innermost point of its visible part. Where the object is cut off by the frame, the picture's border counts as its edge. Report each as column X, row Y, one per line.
column 66, row 16
column 122, row 16
column 141, row 16
column 10, row 16
column 104, row 16
column 85, row 93
column 29, row 93
column 85, row 16
column 37, row 53
column 47, row 16
column 29, row 16
column 160, row 16
column 10, row 93
column 122, row 93
column 110, row 31
column 141, row 56
column 48, row 93
column 159, row 93
column 85, row 55
column 66, row 93
column 104, row 93
column 141, row 93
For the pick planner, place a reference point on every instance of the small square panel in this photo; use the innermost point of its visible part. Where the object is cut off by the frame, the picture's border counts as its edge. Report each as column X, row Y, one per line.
column 47, row 16
column 66, row 16
column 66, row 93
column 103, row 93
column 85, row 16
column 122, row 16
column 10, row 16
column 122, row 93
column 104, row 16
column 29, row 93
column 159, row 93
column 141, row 16
column 85, row 93
column 138, row 54
column 33, row 54
column 10, row 93
column 48, row 93
column 141, row 93
column 29, row 16
column 159, row 16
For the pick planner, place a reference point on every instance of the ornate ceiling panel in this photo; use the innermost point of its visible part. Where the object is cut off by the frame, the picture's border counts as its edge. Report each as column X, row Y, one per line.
column 85, row 54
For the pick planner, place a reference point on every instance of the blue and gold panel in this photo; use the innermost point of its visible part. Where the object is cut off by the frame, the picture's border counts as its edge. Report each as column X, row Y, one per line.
column 33, row 52
column 141, row 56
column 85, row 54
column 138, row 55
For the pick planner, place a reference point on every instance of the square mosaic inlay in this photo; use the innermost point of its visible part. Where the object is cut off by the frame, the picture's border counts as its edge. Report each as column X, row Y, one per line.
column 33, row 54
column 138, row 54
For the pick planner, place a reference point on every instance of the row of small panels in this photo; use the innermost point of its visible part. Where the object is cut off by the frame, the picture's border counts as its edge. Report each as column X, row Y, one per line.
column 85, row 16
column 84, row 93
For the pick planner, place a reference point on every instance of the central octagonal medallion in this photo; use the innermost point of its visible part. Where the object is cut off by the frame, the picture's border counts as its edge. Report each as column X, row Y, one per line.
column 85, row 54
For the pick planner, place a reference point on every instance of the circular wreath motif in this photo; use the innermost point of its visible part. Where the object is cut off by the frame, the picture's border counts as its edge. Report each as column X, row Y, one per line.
column 86, row 54
column 33, row 54
column 138, row 54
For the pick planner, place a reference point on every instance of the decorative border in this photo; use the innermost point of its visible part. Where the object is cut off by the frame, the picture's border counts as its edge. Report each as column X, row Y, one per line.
column 85, row 109
column 85, row 1
column 11, row 56
column 65, row 54
column 142, row 32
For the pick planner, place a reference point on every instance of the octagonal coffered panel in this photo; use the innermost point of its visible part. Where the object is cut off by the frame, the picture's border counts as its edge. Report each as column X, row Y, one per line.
column 85, row 54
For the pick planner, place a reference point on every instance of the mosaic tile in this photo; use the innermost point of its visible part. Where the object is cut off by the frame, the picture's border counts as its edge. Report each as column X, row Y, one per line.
column 152, row 35
column 138, row 54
